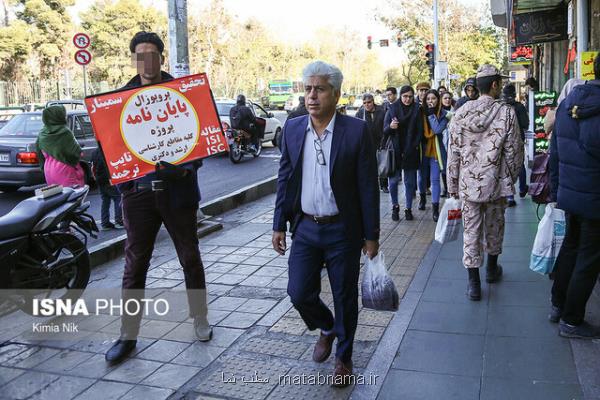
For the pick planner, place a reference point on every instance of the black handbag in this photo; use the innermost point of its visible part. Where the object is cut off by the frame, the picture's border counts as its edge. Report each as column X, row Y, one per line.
column 386, row 160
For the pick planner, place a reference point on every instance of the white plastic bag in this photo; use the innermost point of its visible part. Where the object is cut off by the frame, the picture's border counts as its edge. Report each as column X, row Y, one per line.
column 548, row 240
column 448, row 225
column 378, row 289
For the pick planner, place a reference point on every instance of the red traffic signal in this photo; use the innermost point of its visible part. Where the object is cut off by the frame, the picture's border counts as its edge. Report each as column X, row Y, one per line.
column 430, row 55
column 369, row 42
column 429, row 48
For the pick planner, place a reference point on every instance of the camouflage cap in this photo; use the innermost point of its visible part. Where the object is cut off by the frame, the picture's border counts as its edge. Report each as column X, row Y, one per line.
column 488, row 70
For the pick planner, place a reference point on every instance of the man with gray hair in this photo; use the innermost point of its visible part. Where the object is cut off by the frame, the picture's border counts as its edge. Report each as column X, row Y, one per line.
column 327, row 191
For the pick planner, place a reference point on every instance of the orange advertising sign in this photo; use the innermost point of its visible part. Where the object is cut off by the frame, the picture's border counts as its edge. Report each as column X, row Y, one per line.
column 174, row 121
column 587, row 65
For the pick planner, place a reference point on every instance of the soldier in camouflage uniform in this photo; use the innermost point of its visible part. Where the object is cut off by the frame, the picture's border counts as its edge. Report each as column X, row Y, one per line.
column 484, row 158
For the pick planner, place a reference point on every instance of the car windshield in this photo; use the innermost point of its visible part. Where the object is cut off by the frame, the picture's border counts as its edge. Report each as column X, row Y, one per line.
column 224, row 108
column 24, row 125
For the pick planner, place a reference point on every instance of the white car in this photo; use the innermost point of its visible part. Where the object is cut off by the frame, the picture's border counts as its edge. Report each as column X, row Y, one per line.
column 292, row 102
column 272, row 128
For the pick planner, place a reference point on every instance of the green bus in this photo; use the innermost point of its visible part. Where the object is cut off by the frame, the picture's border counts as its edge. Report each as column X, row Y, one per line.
column 281, row 89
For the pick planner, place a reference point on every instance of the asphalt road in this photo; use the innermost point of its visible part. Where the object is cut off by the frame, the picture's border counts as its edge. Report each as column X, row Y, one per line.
column 217, row 177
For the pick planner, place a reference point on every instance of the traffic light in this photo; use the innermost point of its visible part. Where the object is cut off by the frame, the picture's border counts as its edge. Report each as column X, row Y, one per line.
column 369, row 43
column 399, row 40
column 430, row 55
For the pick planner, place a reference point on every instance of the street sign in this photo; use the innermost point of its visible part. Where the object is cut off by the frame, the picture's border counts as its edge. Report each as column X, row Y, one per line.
column 83, row 57
column 384, row 43
column 81, row 40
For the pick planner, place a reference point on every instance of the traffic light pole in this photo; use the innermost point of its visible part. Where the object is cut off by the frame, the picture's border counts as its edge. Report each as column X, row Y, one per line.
column 179, row 60
column 436, row 52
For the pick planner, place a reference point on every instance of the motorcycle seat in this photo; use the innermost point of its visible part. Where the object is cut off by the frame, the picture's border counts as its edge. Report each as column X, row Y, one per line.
column 21, row 219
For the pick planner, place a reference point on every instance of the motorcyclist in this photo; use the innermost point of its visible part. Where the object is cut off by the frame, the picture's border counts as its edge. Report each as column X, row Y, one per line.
column 242, row 117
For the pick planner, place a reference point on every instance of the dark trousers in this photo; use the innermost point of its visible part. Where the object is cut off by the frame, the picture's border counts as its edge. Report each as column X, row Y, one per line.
column 110, row 194
column 313, row 245
column 523, row 179
column 577, row 268
column 144, row 213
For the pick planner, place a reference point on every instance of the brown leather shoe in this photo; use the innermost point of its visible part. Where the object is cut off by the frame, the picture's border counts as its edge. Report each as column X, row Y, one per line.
column 323, row 347
column 342, row 375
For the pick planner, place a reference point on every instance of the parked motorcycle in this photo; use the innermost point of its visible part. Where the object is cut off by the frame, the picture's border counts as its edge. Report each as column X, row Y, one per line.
column 240, row 144
column 43, row 248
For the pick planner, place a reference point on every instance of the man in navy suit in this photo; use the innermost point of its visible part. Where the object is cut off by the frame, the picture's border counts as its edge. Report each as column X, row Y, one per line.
column 328, row 192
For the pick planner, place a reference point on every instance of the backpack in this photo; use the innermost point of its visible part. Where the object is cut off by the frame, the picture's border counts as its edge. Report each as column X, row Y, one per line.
column 235, row 117
column 539, row 185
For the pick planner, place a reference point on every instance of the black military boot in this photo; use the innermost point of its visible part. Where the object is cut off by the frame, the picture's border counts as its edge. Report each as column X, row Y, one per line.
column 436, row 211
column 423, row 201
column 493, row 269
column 474, row 287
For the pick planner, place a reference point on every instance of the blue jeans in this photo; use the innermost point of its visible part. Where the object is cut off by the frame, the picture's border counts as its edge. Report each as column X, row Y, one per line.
column 410, row 186
column 393, row 182
column 109, row 193
column 423, row 175
column 434, row 173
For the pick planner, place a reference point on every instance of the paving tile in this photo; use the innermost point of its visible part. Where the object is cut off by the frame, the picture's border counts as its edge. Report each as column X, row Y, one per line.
column 133, row 370
column 502, row 389
column 65, row 362
column 368, row 333
column 258, row 281
column 301, row 383
column 140, row 392
column 275, row 347
column 279, row 283
column 8, row 374
column 66, row 387
column 221, row 267
column 448, row 291
column 199, row 354
column 216, row 316
column 243, row 269
column 521, row 294
column 470, row 318
column 270, row 271
column 182, row 333
column 154, row 329
column 163, row 350
column 258, row 306
column 171, row 376
column 11, row 350
column 230, row 279
column 27, row 384
column 520, row 321
column 224, row 250
column 240, row 320
column 94, row 367
column 443, row 353
column 413, row 385
column 235, row 259
column 211, row 276
column 224, row 337
column 292, row 326
column 32, row 357
column 104, row 390
column 256, row 260
column 227, row 303
column 529, row 358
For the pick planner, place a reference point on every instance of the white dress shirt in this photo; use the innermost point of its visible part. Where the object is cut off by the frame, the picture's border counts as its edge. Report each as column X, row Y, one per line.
column 317, row 196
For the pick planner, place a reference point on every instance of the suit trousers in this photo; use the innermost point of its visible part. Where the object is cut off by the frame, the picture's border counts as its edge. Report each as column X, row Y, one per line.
column 577, row 267
column 314, row 244
column 483, row 230
column 144, row 212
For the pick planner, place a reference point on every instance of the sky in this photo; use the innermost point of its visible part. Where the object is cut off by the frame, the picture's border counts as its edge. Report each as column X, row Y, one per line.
column 293, row 21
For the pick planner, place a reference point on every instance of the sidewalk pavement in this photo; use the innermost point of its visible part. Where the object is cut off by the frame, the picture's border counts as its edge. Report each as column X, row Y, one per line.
column 437, row 346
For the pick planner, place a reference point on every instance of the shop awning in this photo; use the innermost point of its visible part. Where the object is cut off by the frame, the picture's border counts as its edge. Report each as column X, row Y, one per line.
column 500, row 8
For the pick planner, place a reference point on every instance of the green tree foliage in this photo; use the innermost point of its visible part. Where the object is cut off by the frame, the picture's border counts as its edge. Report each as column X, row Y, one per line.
column 15, row 47
column 111, row 25
column 466, row 37
column 50, row 28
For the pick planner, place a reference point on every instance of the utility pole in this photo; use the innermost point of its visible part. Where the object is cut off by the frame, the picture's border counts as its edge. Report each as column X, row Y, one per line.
column 436, row 42
column 179, row 59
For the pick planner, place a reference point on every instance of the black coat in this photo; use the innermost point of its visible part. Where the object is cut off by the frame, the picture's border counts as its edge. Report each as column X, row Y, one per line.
column 298, row 112
column 522, row 115
column 100, row 169
column 247, row 118
column 374, row 122
column 407, row 138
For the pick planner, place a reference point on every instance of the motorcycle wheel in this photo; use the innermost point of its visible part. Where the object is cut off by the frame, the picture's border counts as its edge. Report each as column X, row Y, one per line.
column 64, row 274
column 235, row 153
column 259, row 150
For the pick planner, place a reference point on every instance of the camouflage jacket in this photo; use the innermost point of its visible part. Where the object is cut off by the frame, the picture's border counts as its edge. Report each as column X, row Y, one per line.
column 485, row 152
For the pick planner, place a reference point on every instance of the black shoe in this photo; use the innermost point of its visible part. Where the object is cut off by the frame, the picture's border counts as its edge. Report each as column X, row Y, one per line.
column 512, row 203
column 109, row 226
column 385, row 190
column 396, row 213
column 422, row 201
column 555, row 313
column 523, row 194
column 474, row 290
column 444, row 194
column 120, row 350
column 581, row 331
column 408, row 215
column 493, row 269
column 436, row 211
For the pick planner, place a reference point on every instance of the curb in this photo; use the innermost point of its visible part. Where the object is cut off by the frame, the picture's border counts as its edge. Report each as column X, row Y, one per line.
column 114, row 248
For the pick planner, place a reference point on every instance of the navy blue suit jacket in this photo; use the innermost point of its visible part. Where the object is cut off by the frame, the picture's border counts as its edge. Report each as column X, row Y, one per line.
column 353, row 174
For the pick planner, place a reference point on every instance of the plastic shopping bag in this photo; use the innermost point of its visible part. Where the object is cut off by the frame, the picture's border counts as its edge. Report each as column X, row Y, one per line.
column 378, row 289
column 548, row 240
column 448, row 225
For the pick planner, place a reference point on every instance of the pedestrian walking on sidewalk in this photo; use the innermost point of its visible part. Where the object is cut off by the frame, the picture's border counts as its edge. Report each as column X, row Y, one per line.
column 424, row 171
column 575, row 173
column 509, row 94
column 432, row 147
column 403, row 125
column 471, row 93
column 373, row 115
column 485, row 156
column 391, row 96
column 108, row 193
column 58, row 151
column 327, row 190
column 169, row 196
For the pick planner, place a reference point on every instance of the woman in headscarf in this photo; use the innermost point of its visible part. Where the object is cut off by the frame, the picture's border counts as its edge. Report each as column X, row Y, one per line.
column 58, row 151
column 404, row 128
column 433, row 149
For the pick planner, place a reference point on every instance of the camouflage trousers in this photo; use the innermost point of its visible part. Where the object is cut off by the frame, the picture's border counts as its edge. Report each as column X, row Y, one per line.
column 483, row 230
